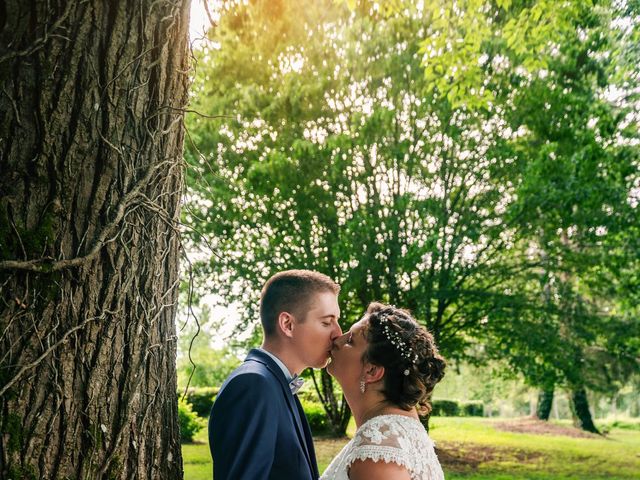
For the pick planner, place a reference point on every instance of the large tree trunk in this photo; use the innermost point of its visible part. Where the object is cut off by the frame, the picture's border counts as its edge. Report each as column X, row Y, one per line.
column 545, row 402
column 580, row 409
column 91, row 104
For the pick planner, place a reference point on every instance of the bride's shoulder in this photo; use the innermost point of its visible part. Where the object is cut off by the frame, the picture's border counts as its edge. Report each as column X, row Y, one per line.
column 398, row 431
column 388, row 446
column 376, row 470
column 393, row 422
column 401, row 442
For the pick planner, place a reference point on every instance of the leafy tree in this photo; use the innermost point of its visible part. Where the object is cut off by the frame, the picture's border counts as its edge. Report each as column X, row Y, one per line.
column 199, row 364
column 477, row 199
column 581, row 169
column 339, row 161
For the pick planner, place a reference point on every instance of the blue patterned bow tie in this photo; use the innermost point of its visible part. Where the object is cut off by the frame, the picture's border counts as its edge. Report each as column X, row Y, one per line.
column 295, row 384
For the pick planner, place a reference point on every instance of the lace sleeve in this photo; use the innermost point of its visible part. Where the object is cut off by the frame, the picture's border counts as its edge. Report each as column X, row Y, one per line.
column 381, row 442
column 396, row 439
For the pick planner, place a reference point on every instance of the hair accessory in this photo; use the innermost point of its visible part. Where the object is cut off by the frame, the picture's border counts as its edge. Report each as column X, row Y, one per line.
column 396, row 340
column 406, row 372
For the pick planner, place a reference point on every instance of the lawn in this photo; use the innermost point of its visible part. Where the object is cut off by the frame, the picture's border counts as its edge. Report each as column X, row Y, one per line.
column 476, row 449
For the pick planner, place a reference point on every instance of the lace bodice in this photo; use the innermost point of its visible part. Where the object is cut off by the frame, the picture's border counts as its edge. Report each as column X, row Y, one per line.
column 390, row 438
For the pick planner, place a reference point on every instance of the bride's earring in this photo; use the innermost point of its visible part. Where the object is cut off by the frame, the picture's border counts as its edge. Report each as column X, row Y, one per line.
column 363, row 386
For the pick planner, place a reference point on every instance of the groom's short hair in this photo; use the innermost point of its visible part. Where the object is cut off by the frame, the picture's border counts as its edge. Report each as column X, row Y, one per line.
column 291, row 291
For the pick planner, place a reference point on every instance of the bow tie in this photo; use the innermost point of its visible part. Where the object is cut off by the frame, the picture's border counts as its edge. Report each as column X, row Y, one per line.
column 295, row 384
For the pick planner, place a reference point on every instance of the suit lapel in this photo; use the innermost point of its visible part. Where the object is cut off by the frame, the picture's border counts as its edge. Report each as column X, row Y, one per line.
column 295, row 408
column 307, row 433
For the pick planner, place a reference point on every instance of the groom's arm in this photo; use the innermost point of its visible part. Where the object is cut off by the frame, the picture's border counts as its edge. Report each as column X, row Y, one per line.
column 242, row 429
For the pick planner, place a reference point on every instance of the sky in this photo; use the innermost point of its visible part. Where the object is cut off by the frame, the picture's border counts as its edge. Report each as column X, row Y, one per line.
column 199, row 21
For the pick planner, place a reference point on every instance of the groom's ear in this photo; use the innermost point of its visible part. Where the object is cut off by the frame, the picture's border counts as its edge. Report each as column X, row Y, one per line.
column 285, row 324
column 373, row 373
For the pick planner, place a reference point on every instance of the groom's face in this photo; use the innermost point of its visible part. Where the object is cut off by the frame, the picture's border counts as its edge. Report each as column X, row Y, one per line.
column 314, row 334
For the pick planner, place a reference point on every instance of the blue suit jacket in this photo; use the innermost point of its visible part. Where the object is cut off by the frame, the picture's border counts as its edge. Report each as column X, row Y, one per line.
column 257, row 428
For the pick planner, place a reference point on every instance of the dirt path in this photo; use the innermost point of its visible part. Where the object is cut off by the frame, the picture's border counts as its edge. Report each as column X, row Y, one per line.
column 460, row 457
column 540, row 427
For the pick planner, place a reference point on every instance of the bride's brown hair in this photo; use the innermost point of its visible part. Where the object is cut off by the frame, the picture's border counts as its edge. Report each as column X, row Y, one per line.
column 408, row 353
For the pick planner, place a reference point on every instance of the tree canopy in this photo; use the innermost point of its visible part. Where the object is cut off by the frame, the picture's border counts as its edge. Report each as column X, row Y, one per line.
column 469, row 161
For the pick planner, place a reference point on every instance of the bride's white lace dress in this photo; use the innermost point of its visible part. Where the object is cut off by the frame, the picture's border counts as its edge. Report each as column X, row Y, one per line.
column 389, row 438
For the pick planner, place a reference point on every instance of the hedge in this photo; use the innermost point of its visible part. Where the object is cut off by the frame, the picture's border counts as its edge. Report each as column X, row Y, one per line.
column 474, row 408
column 454, row 408
column 190, row 423
column 445, row 408
column 317, row 417
column 201, row 399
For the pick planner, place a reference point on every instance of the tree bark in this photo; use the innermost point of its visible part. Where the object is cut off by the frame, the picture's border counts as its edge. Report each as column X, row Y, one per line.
column 580, row 409
column 545, row 402
column 91, row 104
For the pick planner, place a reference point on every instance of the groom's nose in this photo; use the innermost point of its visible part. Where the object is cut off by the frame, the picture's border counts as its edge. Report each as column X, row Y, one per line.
column 337, row 332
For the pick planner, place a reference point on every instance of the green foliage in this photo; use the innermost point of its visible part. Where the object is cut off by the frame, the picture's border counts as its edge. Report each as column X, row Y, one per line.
column 466, row 43
column 472, row 408
column 395, row 195
column 190, row 423
column 574, row 209
column 317, row 417
column 198, row 363
column 201, row 399
column 620, row 424
column 461, row 160
column 445, row 408
column 211, row 367
column 455, row 408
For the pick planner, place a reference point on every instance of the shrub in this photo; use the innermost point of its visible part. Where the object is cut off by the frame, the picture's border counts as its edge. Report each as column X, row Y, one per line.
column 306, row 395
column 445, row 408
column 190, row 423
column 201, row 399
column 474, row 408
column 631, row 424
column 317, row 417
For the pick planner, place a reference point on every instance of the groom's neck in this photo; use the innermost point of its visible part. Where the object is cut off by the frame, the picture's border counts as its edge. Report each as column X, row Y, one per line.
column 284, row 354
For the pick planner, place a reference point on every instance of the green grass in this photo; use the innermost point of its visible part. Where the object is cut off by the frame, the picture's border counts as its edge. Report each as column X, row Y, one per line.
column 197, row 458
column 472, row 449
column 528, row 456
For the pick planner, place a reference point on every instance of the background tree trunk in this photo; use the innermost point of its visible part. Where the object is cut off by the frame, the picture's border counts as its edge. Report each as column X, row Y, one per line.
column 545, row 402
column 580, row 409
column 91, row 105
column 338, row 412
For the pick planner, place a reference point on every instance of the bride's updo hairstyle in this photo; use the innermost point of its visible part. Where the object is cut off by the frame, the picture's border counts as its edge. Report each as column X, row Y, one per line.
column 408, row 354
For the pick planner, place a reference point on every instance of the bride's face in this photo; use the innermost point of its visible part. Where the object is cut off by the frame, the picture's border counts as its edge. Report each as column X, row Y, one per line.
column 346, row 355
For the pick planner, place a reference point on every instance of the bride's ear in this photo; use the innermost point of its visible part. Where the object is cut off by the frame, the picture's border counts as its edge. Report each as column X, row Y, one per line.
column 373, row 373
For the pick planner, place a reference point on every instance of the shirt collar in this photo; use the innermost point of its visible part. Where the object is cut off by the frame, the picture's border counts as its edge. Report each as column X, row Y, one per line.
column 283, row 367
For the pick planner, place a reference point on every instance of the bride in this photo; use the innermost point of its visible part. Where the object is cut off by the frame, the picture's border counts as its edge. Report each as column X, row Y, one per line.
column 387, row 366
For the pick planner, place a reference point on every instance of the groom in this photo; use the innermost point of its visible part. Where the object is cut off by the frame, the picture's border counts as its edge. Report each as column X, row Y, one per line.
column 257, row 428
